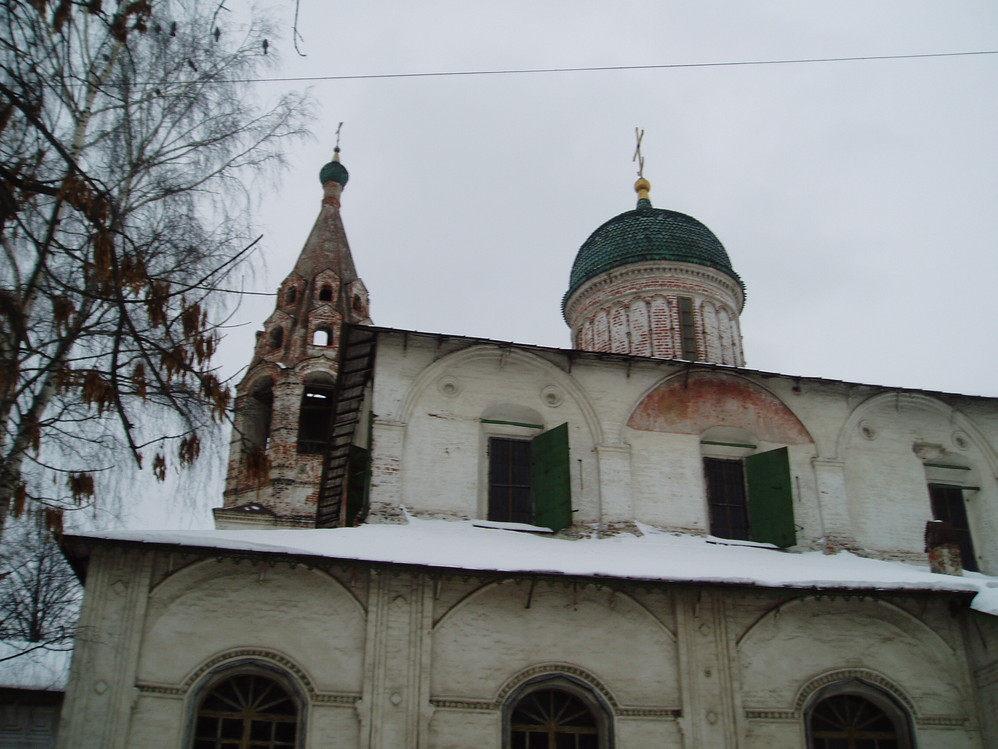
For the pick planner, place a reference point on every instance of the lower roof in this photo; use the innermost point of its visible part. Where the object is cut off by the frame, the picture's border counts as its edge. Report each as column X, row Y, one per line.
column 655, row 556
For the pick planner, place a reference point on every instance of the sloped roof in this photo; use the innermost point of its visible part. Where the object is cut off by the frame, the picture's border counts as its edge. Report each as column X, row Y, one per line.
column 657, row 556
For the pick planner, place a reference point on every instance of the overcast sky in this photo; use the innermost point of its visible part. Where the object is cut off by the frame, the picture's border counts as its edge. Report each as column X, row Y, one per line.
column 855, row 199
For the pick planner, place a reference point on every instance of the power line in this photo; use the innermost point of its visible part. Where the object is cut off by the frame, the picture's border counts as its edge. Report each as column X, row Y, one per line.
column 597, row 68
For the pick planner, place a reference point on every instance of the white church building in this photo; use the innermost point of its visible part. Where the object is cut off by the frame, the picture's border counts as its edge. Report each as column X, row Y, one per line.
column 442, row 542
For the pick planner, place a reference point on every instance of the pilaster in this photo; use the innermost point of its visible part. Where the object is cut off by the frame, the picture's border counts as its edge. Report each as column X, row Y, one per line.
column 101, row 693
column 396, row 694
column 707, row 677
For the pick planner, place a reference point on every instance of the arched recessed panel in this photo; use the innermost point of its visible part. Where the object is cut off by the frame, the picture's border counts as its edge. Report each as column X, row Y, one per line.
column 693, row 404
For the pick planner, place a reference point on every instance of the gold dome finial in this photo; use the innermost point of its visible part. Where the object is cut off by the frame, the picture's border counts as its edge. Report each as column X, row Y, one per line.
column 642, row 186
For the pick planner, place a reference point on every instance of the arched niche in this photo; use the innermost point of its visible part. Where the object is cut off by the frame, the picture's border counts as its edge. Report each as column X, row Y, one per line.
column 204, row 608
column 694, row 402
column 821, row 635
column 523, row 366
column 512, row 627
column 895, row 446
column 255, row 413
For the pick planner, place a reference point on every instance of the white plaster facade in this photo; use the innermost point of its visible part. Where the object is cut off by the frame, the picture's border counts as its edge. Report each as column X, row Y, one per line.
column 383, row 655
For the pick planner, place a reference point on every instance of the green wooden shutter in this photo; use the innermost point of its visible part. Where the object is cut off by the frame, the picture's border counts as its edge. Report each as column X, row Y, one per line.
column 358, row 482
column 771, row 499
column 552, row 479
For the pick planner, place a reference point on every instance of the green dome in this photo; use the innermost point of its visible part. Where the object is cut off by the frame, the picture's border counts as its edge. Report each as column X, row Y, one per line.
column 648, row 233
column 334, row 171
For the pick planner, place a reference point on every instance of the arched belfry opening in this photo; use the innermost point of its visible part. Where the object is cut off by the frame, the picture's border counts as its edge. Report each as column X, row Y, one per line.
column 257, row 411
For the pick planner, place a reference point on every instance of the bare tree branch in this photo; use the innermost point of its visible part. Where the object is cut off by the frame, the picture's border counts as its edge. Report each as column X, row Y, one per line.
column 123, row 154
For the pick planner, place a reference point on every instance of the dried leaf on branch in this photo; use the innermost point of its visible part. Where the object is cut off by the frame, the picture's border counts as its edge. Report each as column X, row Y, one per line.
column 124, row 154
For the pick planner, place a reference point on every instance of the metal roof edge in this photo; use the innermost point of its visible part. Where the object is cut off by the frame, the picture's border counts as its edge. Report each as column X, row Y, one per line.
column 600, row 356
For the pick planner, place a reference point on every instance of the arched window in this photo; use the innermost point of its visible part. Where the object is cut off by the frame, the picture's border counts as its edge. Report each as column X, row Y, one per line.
column 246, row 711
column 291, row 295
column 326, row 293
column 856, row 715
column 276, row 338
column 555, row 712
column 323, row 336
column 316, row 413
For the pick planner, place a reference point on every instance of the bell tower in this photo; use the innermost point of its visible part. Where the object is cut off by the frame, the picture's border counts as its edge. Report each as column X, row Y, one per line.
column 284, row 403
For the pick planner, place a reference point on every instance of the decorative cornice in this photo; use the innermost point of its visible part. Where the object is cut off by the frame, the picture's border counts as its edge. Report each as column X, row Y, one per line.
column 446, row 703
column 780, row 715
column 942, row 721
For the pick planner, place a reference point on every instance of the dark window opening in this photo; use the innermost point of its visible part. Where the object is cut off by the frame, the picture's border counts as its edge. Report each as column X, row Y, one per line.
column 948, row 505
column 687, row 329
column 553, row 719
column 752, row 499
column 246, row 712
column 849, row 721
column 323, row 336
column 727, row 498
column 511, row 497
column 326, row 293
column 276, row 338
column 530, row 480
column 358, row 305
column 291, row 295
column 315, row 417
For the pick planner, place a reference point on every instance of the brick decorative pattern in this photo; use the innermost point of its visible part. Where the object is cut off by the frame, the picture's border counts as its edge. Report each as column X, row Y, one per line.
column 635, row 310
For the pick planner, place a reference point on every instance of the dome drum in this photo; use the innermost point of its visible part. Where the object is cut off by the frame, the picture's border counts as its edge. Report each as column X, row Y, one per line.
column 642, row 279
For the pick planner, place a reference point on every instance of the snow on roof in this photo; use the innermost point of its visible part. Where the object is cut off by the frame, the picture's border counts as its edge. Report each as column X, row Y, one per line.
column 28, row 665
column 656, row 555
